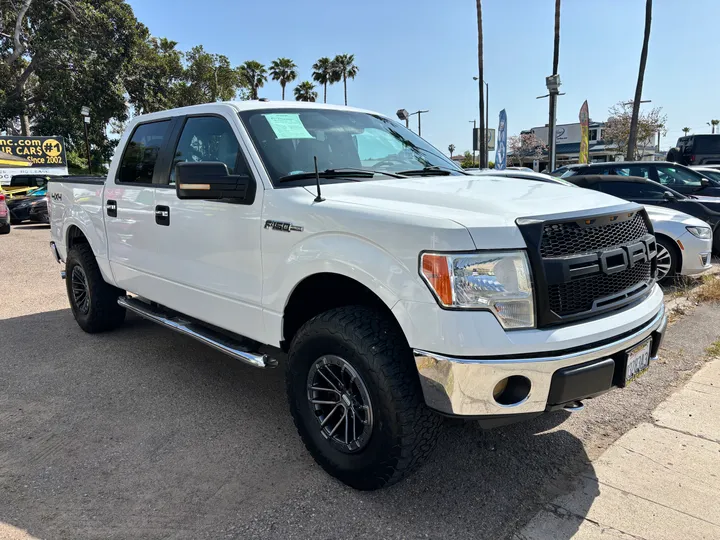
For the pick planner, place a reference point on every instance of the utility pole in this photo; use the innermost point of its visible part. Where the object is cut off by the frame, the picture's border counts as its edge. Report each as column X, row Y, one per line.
column 474, row 123
column 419, row 113
column 487, row 112
column 482, row 143
column 554, row 94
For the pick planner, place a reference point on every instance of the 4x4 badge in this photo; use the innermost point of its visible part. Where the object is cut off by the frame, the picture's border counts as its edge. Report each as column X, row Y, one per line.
column 282, row 226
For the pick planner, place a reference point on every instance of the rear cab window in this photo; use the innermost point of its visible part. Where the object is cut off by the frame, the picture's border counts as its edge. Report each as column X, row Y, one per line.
column 137, row 165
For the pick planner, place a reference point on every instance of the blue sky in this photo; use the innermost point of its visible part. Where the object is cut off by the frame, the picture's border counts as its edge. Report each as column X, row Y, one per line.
column 422, row 54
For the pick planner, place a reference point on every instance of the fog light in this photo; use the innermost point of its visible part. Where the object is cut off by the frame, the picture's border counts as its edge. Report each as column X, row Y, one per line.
column 512, row 390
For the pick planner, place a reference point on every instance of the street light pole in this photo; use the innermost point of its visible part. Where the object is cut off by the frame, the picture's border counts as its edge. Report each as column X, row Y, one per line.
column 85, row 113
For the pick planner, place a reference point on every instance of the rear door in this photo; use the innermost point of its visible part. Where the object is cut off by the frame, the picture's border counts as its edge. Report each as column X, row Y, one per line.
column 129, row 207
column 639, row 192
column 208, row 252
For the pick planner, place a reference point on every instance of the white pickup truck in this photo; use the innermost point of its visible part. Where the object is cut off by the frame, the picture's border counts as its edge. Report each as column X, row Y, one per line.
column 394, row 287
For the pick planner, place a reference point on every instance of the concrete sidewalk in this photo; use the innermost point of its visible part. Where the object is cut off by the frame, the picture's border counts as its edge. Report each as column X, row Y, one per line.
column 660, row 480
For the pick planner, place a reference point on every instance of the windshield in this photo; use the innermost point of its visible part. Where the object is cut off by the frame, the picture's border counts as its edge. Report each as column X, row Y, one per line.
column 711, row 174
column 288, row 140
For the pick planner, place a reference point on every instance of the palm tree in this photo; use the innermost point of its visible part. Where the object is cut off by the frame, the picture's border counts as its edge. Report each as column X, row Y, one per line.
column 344, row 68
column 305, row 91
column 483, row 136
column 632, row 139
column 686, row 130
column 451, row 149
column 713, row 123
column 254, row 76
column 324, row 73
column 283, row 70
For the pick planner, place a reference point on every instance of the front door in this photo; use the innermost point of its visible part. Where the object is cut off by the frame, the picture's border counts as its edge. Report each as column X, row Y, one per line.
column 209, row 251
column 128, row 205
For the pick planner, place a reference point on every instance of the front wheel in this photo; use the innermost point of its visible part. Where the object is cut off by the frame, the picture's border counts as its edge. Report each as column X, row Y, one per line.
column 356, row 400
column 93, row 301
column 667, row 261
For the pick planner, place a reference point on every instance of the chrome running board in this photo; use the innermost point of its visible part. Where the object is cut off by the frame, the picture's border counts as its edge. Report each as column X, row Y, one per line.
column 240, row 348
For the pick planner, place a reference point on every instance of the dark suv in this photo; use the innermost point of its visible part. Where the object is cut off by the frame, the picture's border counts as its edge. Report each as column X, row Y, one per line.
column 672, row 175
column 696, row 150
column 643, row 191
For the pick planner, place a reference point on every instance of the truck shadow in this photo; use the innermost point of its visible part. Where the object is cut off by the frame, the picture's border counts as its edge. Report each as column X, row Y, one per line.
column 142, row 433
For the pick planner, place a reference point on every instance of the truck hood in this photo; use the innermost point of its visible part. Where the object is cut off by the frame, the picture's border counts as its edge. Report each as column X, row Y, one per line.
column 486, row 205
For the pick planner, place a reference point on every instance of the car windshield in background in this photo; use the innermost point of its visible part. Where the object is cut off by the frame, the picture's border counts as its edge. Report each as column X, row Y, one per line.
column 288, row 140
column 711, row 174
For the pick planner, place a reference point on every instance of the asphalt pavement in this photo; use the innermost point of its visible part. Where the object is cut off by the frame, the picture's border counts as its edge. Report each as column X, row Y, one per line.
column 145, row 434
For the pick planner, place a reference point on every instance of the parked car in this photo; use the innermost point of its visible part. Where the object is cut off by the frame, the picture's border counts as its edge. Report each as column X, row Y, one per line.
column 684, row 243
column 39, row 210
column 696, row 150
column 396, row 285
column 20, row 206
column 22, row 184
column 711, row 173
column 672, row 175
column 522, row 175
column 643, row 191
column 4, row 216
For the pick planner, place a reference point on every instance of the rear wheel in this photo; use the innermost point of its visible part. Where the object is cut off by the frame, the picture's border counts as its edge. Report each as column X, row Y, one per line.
column 92, row 300
column 667, row 261
column 356, row 399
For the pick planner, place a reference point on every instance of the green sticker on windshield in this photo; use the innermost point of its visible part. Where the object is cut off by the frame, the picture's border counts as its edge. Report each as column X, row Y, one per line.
column 287, row 126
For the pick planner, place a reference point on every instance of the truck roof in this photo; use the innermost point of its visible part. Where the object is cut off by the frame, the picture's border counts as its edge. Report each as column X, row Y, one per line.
column 246, row 106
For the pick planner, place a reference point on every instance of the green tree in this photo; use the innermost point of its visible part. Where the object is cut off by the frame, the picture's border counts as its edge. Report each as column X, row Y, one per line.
column 58, row 55
column 152, row 80
column 254, row 75
column 686, row 130
column 305, row 91
column 324, row 73
column 207, row 78
column 713, row 124
column 344, row 68
column 451, row 149
column 283, row 70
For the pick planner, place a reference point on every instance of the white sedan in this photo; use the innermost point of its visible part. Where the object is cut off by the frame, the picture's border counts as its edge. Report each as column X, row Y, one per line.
column 684, row 243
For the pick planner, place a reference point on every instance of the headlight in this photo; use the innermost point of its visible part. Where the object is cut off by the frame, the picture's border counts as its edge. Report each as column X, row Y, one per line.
column 701, row 232
column 497, row 281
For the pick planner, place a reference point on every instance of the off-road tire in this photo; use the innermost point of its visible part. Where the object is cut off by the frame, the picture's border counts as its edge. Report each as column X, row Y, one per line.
column 103, row 312
column 404, row 431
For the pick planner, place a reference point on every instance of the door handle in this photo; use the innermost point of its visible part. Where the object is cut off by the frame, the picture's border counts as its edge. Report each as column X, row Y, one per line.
column 111, row 208
column 162, row 215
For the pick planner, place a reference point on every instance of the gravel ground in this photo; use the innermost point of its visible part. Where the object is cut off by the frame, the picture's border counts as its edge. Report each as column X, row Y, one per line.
column 145, row 434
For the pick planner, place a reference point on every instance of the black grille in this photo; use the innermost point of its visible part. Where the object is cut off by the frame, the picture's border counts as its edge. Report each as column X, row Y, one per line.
column 562, row 239
column 580, row 295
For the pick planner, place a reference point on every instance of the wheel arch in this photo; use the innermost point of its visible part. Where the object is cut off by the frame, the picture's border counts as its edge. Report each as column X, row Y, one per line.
column 677, row 252
column 323, row 291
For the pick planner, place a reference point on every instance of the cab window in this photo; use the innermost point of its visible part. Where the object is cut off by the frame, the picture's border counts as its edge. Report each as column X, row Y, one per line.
column 675, row 176
column 635, row 170
column 141, row 153
column 209, row 138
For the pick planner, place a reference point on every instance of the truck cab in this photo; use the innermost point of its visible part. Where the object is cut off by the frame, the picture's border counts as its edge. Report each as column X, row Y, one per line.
column 394, row 288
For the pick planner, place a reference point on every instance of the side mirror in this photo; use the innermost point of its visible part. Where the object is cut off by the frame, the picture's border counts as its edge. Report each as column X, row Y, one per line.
column 669, row 196
column 209, row 180
column 704, row 182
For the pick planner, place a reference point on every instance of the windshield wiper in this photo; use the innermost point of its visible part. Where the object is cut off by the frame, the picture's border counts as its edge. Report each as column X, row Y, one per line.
column 347, row 172
column 429, row 171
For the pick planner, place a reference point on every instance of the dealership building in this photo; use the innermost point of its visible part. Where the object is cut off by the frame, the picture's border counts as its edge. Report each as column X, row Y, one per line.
column 567, row 146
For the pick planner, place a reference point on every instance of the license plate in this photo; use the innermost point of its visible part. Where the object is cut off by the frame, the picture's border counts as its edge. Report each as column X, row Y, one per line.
column 638, row 360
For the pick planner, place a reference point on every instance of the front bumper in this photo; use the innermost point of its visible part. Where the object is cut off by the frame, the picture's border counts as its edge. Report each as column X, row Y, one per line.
column 696, row 254
column 464, row 386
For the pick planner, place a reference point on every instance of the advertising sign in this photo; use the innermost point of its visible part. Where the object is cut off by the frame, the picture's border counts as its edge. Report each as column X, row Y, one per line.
column 501, row 153
column 584, row 117
column 31, row 155
column 490, row 139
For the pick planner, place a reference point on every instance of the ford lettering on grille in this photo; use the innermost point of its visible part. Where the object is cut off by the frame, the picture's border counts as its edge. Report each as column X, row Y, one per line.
column 587, row 266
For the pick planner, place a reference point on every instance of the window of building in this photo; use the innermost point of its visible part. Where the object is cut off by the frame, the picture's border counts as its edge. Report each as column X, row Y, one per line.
column 594, row 134
column 138, row 162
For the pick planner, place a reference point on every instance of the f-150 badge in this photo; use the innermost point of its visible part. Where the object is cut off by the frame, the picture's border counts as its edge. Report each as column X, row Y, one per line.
column 281, row 226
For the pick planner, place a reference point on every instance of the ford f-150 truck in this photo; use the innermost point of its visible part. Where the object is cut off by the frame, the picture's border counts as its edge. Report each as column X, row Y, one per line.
column 395, row 288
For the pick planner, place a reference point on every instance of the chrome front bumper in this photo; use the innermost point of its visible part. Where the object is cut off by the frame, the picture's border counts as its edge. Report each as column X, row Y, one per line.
column 464, row 386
